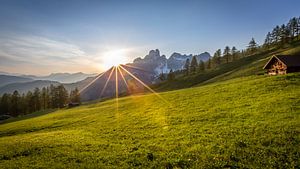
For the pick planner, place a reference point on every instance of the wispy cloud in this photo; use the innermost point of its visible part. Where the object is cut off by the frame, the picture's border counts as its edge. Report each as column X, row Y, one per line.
column 17, row 52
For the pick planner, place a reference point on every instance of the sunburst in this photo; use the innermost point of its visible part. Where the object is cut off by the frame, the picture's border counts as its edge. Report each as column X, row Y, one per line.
column 119, row 70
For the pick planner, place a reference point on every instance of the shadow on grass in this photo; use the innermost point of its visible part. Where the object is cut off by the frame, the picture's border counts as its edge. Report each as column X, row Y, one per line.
column 27, row 116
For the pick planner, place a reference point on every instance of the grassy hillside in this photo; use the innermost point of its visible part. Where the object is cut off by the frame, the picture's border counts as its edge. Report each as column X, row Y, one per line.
column 251, row 65
column 248, row 122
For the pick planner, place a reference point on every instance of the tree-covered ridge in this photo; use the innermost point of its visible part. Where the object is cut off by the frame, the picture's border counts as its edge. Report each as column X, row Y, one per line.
column 278, row 38
column 51, row 97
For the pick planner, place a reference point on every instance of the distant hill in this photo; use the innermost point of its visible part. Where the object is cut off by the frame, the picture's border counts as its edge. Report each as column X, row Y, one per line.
column 8, row 79
column 24, row 87
column 62, row 77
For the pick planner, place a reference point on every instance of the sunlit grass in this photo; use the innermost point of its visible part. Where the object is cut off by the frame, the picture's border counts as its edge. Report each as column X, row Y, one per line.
column 250, row 122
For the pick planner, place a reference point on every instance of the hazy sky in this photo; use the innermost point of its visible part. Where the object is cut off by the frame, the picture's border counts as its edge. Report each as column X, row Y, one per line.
column 40, row 37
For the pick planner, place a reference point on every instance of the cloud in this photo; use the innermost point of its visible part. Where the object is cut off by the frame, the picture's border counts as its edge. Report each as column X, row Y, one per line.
column 29, row 54
column 41, row 52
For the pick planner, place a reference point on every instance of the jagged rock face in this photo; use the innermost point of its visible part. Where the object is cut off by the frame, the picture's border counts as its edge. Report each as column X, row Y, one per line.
column 157, row 64
column 177, row 60
column 151, row 61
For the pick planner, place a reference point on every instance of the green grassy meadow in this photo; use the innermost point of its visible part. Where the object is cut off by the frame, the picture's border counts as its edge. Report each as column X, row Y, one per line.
column 246, row 122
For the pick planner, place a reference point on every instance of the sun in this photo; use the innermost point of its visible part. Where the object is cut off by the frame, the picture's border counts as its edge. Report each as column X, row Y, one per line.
column 114, row 58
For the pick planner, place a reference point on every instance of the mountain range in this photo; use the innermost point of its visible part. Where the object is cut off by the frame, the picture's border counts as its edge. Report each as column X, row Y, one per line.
column 146, row 69
column 157, row 63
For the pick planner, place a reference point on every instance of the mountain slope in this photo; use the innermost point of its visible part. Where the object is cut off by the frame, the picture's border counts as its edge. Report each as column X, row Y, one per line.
column 8, row 79
column 248, row 122
column 247, row 66
column 63, row 77
column 26, row 86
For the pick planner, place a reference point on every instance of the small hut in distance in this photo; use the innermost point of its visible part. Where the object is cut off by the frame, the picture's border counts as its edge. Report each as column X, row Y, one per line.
column 283, row 64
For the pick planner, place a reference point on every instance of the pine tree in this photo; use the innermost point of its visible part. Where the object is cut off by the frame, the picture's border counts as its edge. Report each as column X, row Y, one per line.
column 5, row 104
column 276, row 34
column 234, row 53
column 293, row 24
column 226, row 54
column 15, row 103
column 187, row 66
column 162, row 76
column 194, row 64
column 268, row 40
column 201, row 66
column 216, row 60
column 44, row 98
column 252, row 46
column 75, row 96
column 298, row 28
column 171, row 75
column 61, row 96
column 283, row 34
column 53, row 96
column 23, row 104
column 208, row 66
column 37, row 99
column 30, row 102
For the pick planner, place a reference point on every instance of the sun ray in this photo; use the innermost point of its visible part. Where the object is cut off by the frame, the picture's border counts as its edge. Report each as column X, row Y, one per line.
column 107, row 81
column 117, row 89
column 144, row 84
column 85, row 87
column 138, row 68
column 123, row 77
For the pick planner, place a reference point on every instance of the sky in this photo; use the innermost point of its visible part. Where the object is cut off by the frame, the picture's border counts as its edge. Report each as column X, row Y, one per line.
column 42, row 37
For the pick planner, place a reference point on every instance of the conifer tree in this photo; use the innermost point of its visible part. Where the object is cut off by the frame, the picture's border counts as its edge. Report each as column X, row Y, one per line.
column 162, row 76
column 226, row 54
column 187, row 66
column 75, row 96
column 201, row 66
column 234, row 53
column 15, row 103
column 37, row 99
column 208, row 65
column 171, row 75
column 194, row 64
column 5, row 104
column 252, row 46
column 216, row 60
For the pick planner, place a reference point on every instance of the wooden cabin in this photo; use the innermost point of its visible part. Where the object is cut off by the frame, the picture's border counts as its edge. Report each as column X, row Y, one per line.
column 283, row 64
column 73, row 104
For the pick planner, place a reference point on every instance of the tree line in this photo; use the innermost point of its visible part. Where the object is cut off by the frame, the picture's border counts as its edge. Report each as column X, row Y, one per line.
column 278, row 37
column 286, row 33
column 51, row 97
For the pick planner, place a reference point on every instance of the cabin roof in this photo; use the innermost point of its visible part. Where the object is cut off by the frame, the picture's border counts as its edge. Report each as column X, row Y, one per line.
column 288, row 60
